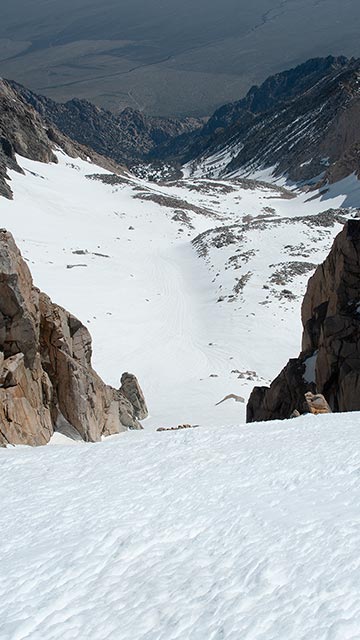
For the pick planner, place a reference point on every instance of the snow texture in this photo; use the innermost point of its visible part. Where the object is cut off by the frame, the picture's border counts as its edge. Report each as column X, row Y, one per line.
column 213, row 533
column 248, row 532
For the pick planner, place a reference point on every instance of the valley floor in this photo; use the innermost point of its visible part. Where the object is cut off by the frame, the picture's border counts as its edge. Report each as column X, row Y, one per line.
column 194, row 323
column 248, row 532
column 228, row 532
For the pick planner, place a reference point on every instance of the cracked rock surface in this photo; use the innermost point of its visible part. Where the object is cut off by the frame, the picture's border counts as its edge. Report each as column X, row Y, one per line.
column 47, row 382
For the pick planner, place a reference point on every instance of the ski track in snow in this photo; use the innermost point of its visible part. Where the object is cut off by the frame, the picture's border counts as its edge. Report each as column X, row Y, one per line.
column 247, row 532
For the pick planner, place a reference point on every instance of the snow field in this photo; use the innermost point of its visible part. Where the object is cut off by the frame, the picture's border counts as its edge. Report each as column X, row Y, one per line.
column 214, row 533
column 130, row 273
column 247, row 532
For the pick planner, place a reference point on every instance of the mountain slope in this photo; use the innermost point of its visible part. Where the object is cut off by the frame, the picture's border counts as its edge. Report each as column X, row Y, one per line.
column 310, row 136
column 272, row 93
column 23, row 131
column 125, row 137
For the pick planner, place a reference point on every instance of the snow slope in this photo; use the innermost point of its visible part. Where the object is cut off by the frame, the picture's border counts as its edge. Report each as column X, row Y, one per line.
column 243, row 532
column 117, row 252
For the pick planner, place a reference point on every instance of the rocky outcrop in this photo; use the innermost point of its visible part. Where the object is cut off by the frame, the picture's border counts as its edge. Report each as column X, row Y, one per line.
column 303, row 121
column 276, row 122
column 24, row 132
column 46, row 378
column 329, row 362
column 126, row 137
column 285, row 394
column 130, row 388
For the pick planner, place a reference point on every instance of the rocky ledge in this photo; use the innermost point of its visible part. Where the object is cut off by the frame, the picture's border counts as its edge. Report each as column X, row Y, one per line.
column 329, row 362
column 47, row 382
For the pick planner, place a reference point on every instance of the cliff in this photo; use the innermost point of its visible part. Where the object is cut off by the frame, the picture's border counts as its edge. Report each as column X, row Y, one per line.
column 47, row 382
column 329, row 362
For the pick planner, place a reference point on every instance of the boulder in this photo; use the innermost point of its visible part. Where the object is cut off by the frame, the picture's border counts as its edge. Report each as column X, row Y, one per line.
column 130, row 388
column 316, row 403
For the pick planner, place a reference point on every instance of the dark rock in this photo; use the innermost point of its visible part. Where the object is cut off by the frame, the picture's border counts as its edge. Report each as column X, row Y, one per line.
column 126, row 137
column 23, row 131
column 330, row 359
column 130, row 388
column 285, row 394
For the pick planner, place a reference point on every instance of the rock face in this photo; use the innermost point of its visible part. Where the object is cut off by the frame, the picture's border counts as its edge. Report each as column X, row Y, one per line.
column 329, row 362
column 126, row 137
column 23, row 131
column 266, row 109
column 47, row 382
column 130, row 388
column 303, row 121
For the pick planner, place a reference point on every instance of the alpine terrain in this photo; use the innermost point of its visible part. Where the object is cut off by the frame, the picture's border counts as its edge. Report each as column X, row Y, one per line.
column 156, row 275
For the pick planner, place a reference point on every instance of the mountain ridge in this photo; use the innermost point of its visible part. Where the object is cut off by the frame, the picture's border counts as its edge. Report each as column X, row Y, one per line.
column 24, row 131
column 302, row 121
column 275, row 90
column 311, row 138
column 127, row 137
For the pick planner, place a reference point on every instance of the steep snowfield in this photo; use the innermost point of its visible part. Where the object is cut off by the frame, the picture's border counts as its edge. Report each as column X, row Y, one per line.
column 243, row 532
column 119, row 256
column 228, row 532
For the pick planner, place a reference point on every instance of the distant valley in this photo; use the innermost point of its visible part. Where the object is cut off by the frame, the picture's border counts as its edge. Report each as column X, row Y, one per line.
column 300, row 124
column 168, row 59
